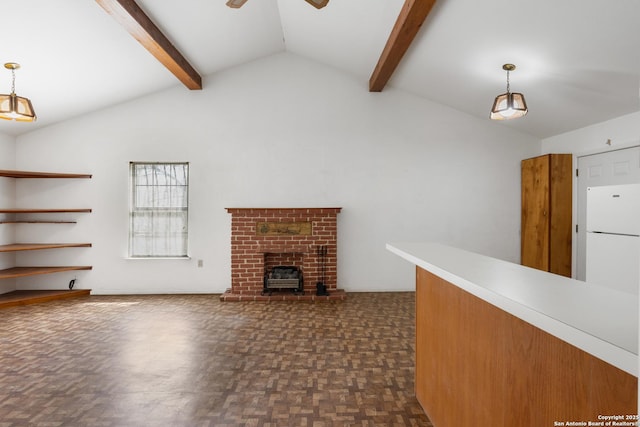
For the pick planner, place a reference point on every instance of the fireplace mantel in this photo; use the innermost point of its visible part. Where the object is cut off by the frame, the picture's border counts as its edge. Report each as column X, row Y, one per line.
column 285, row 249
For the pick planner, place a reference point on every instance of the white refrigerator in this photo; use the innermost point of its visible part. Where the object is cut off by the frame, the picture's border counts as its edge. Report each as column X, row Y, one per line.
column 613, row 237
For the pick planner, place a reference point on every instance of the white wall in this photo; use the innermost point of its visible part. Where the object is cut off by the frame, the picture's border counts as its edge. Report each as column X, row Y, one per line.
column 281, row 131
column 7, row 199
column 621, row 132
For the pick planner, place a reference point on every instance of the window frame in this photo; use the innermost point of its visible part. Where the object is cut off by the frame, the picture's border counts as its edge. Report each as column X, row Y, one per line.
column 137, row 211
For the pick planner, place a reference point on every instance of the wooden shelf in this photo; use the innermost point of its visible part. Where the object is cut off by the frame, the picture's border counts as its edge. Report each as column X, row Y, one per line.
column 16, row 298
column 38, row 246
column 11, row 273
column 30, row 211
column 38, row 211
column 15, row 272
column 38, row 222
column 28, row 174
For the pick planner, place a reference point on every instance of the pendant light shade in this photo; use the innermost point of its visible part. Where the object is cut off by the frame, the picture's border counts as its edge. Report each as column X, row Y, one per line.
column 318, row 4
column 508, row 105
column 12, row 106
column 236, row 4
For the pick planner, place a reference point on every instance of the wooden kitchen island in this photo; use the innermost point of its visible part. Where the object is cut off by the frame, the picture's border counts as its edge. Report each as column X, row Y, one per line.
column 499, row 344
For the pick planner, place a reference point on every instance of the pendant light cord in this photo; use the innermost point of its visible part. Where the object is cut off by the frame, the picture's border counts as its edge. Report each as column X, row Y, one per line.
column 508, row 87
column 13, row 80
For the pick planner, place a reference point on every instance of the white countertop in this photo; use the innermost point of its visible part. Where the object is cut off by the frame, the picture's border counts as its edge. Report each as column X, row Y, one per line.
column 601, row 321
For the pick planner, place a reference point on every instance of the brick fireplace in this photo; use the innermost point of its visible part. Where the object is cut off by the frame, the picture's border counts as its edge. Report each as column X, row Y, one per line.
column 263, row 238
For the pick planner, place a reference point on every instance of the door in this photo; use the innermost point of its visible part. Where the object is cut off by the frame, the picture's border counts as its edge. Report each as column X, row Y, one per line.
column 535, row 225
column 546, row 233
column 609, row 168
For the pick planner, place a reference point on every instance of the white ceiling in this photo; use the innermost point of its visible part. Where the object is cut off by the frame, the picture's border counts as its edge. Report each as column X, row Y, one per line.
column 578, row 61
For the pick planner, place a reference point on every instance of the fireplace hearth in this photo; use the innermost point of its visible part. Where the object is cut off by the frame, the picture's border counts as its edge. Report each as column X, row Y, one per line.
column 267, row 241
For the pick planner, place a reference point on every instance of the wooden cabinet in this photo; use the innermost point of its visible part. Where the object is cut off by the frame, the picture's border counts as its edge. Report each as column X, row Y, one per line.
column 16, row 217
column 479, row 365
column 546, row 232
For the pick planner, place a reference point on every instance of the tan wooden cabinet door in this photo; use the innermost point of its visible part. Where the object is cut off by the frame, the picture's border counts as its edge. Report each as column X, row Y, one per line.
column 546, row 237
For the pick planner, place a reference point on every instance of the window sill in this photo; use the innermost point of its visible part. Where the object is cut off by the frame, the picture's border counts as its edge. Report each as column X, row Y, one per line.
column 151, row 258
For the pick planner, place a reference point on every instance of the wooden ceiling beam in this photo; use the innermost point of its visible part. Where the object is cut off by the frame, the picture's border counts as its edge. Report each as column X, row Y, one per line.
column 139, row 25
column 410, row 19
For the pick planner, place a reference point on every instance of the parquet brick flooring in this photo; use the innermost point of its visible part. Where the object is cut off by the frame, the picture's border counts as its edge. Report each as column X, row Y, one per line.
column 191, row 360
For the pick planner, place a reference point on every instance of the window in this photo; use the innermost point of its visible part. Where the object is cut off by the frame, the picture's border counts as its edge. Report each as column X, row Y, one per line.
column 159, row 209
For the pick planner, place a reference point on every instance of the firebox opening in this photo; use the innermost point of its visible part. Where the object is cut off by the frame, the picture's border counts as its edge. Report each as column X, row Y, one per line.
column 283, row 277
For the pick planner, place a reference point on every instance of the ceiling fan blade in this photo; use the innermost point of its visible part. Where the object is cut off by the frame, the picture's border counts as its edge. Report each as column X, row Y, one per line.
column 318, row 4
column 236, row 3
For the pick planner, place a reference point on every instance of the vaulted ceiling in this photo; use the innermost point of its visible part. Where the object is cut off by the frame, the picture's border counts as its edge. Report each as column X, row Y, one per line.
column 578, row 61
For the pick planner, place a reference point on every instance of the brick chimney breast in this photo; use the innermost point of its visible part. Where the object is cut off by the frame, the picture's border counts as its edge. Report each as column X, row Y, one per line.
column 262, row 238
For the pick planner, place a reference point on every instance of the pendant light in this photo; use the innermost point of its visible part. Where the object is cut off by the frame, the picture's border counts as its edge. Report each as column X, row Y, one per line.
column 12, row 106
column 508, row 105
